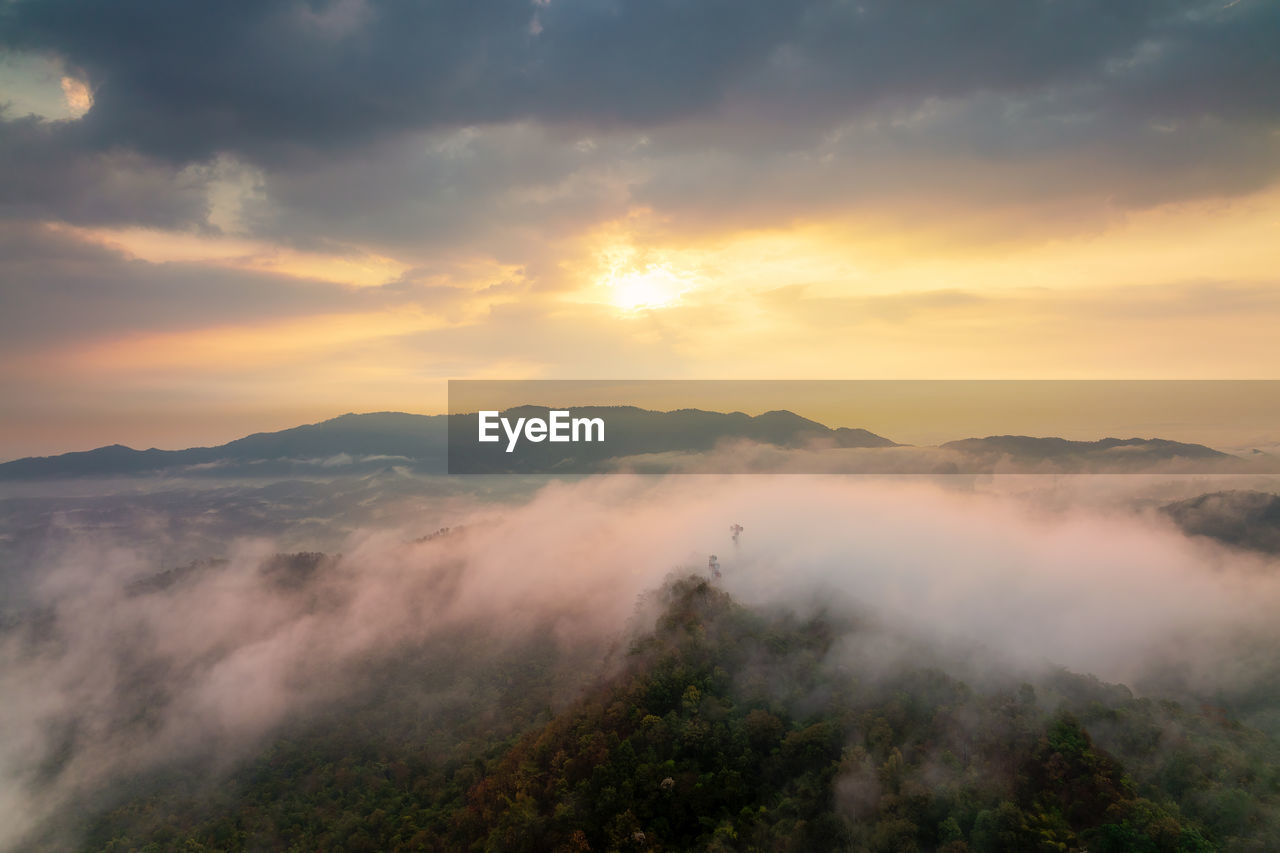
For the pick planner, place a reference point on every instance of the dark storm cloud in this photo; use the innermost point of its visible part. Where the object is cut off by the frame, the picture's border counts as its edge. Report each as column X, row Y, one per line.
column 986, row 152
column 350, row 108
column 257, row 78
column 184, row 81
column 512, row 180
column 848, row 56
column 48, row 172
column 1216, row 59
column 510, row 191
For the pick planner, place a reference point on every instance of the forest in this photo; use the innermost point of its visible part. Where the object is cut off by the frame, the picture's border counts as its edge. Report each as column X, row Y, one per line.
column 720, row 727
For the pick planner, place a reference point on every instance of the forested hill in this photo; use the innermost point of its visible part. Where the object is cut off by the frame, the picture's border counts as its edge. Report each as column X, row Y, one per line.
column 1242, row 518
column 726, row 728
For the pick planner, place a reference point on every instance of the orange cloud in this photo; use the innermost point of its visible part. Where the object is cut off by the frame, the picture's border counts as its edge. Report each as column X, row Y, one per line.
column 355, row 268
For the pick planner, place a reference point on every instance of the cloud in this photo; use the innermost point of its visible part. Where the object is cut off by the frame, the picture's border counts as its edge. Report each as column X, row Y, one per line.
column 259, row 79
column 186, row 84
column 513, row 192
column 116, row 676
column 1140, row 103
column 59, row 288
column 48, row 172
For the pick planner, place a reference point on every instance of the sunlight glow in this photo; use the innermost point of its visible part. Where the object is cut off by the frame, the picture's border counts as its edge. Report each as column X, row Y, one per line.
column 79, row 98
column 652, row 286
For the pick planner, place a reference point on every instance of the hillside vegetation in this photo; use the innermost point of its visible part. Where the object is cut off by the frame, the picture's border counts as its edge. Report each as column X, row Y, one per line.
column 724, row 728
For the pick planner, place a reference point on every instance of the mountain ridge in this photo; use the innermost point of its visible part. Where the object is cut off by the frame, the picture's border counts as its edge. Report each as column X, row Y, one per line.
column 420, row 441
column 356, row 441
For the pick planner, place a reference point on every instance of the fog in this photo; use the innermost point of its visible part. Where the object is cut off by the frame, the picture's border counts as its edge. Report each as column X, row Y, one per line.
column 109, row 666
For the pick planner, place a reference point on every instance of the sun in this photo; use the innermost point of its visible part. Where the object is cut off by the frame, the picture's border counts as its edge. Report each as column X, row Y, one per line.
column 652, row 286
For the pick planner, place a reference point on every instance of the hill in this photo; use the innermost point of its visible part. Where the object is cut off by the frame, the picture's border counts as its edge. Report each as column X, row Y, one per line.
column 1242, row 518
column 726, row 728
column 367, row 443
column 344, row 441
column 1107, row 454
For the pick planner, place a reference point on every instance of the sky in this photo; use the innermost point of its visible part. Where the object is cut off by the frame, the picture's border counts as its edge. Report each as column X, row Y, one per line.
column 223, row 218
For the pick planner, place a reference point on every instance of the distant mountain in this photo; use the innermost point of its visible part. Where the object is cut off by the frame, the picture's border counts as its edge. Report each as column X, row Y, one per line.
column 346, row 441
column 1111, row 454
column 368, row 442
column 382, row 441
column 1244, row 519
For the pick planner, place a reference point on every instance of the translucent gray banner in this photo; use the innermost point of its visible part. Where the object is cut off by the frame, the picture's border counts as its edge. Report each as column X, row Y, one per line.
column 864, row 426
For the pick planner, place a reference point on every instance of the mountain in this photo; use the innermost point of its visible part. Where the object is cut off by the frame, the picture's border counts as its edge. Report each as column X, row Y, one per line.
column 367, row 442
column 367, row 439
column 1111, row 454
column 1243, row 518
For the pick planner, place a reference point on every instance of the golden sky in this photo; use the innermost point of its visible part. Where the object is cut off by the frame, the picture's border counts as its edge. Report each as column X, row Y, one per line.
column 201, row 242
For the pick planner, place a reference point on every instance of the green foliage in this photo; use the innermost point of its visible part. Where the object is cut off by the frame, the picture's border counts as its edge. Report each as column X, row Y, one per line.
column 727, row 729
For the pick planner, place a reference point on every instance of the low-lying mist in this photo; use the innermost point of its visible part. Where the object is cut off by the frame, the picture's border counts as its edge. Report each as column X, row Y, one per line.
column 111, row 666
